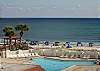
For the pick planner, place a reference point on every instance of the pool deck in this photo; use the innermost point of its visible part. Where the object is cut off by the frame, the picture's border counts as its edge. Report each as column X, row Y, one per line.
column 16, row 60
column 62, row 58
column 83, row 68
column 15, row 67
column 78, row 67
column 20, row 64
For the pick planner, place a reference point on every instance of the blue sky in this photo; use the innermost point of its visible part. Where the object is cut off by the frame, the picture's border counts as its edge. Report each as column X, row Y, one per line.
column 48, row 8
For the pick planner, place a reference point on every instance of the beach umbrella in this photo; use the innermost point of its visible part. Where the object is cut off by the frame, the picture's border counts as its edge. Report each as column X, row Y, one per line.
column 79, row 44
column 46, row 42
column 91, row 44
column 68, row 45
column 56, row 43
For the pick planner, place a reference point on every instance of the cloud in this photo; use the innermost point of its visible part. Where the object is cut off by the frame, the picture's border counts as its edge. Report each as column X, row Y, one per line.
column 48, row 8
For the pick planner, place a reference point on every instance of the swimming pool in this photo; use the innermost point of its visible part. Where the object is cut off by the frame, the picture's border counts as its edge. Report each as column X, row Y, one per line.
column 58, row 65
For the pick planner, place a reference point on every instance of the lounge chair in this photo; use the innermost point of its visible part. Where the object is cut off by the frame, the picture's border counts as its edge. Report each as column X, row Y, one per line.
column 62, row 56
column 33, row 54
column 26, row 54
column 19, row 55
column 22, row 55
column 14, row 55
column 10, row 56
column 86, row 57
column 36, row 54
column 72, row 56
column 66, row 56
column 29, row 54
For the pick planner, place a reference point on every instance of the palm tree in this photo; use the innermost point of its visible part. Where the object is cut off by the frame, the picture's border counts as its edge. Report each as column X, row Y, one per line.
column 9, row 32
column 22, row 28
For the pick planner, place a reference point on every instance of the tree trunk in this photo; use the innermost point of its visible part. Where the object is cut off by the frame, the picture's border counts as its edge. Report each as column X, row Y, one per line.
column 5, row 46
column 15, row 43
column 10, row 42
column 21, row 34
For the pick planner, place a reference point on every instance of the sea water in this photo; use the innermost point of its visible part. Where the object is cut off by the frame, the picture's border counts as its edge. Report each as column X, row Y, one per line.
column 57, row 29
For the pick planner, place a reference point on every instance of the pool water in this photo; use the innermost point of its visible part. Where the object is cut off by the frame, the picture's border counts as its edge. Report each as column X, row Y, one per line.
column 58, row 65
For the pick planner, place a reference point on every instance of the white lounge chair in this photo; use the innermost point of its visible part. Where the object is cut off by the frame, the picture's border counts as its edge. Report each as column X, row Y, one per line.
column 10, row 56
column 86, row 57
column 33, row 54
column 14, row 55
column 27, row 54
column 36, row 54
column 19, row 55
column 22, row 55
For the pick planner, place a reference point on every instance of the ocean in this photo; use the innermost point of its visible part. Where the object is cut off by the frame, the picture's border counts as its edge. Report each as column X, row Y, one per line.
column 59, row 29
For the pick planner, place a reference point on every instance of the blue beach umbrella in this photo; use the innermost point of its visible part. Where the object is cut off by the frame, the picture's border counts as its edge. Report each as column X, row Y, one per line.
column 46, row 42
column 79, row 44
column 68, row 45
